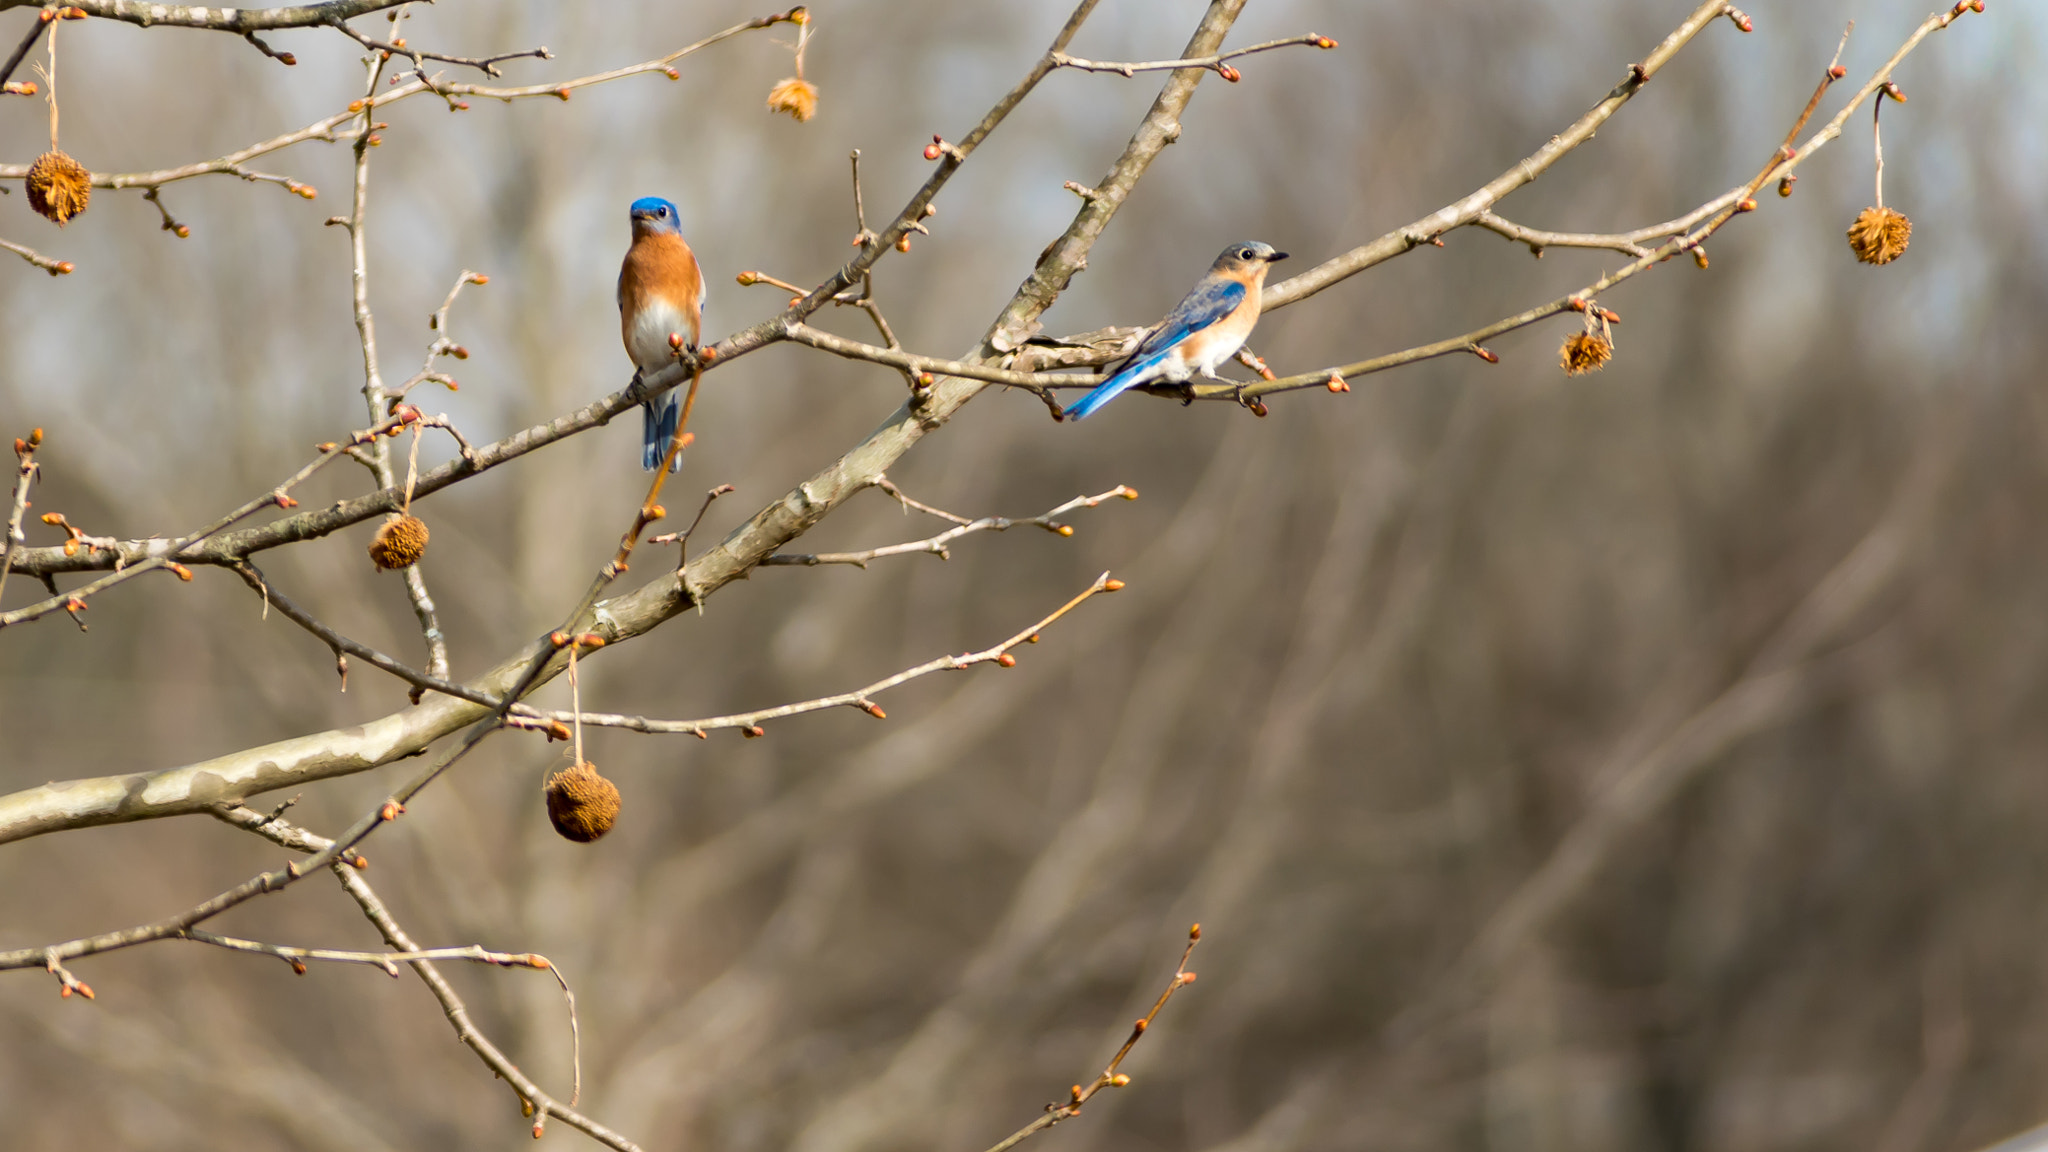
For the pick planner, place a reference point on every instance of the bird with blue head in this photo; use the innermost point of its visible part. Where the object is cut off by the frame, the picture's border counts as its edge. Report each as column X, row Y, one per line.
column 661, row 294
column 1204, row 329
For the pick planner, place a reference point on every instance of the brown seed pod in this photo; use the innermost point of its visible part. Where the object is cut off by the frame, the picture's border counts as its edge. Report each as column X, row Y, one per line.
column 58, row 187
column 581, row 804
column 1880, row 235
column 797, row 97
column 1584, row 352
column 399, row 543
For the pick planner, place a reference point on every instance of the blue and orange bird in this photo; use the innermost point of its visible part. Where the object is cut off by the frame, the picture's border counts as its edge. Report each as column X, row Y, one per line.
column 1204, row 330
column 661, row 294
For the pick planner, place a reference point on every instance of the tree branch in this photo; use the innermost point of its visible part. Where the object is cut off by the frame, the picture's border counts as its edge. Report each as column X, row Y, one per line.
column 239, row 21
column 861, row 698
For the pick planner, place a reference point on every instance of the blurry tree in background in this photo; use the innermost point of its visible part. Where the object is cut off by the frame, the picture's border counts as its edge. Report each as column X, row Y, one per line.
column 1638, row 759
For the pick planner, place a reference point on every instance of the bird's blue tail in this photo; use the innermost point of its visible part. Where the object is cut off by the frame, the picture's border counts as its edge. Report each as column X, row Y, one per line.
column 657, row 428
column 1109, row 389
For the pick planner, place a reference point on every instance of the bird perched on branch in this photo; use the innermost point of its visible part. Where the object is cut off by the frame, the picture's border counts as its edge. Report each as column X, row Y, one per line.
column 661, row 294
column 1204, row 330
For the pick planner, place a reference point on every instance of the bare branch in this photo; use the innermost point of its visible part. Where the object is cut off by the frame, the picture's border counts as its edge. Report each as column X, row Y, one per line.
column 1109, row 1077
column 1465, row 210
column 1214, row 63
column 342, row 644
column 895, row 358
column 388, row 961
column 936, row 545
column 53, row 267
column 24, row 478
column 861, row 698
column 239, row 21
column 1628, row 242
column 452, row 1005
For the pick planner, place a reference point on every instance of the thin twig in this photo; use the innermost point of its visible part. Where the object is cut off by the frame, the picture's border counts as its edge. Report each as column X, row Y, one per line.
column 24, row 477
column 373, row 907
column 1110, row 1077
column 861, row 698
column 1214, row 63
column 53, row 267
column 937, row 545
column 388, row 961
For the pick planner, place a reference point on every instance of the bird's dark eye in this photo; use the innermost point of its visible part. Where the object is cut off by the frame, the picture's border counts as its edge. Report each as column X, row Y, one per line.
column 1244, row 253
column 662, row 211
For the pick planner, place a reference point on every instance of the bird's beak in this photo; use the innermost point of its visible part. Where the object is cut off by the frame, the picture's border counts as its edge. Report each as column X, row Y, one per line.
column 1277, row 256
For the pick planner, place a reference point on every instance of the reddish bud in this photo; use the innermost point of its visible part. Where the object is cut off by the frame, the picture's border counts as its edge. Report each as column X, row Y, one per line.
column 1007, row 660
column 931, row 151
column 1892, row 90
column 461, row 105
column 1746, row 204
column 559, row 639
column 562, row 94
column 1699, row 257
column 84, row 989
column 873, row 709
column 701, row 734
column 707, row 354
column 672, row 74
column 1336, row 383
column 361, row 861
column 1130, row 493
column 298, row 968
column 1065, row 529
column 926, row 379
column 1076, row 1091
column 391, row 810
column 63, row 268
column 1187, row 978
column 71, row 547
column 753, row 731
column 1785, row 184
column 1741, row 19
column 287, row 59
column 1576, row 304
column 459, row 352
column 375, row 141
column 181, row 231
column 903, row 242
column 1325, row 42
column 750, row 278
column 1119, row 1080
column 1112, row 585
column 1140, row 1025
column 1031, row 639
column 1195, row 931
column 181, row 572
column 1229, row 73
column 1611, row 316
column 1258, row 408
column 557, row 730
column 74, row 14
column 479, row 278
column 1836, row 72
column 590, row 640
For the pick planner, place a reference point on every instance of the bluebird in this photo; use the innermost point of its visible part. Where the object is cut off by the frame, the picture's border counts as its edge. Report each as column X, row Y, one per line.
column 1203, row 331
column 661, row 293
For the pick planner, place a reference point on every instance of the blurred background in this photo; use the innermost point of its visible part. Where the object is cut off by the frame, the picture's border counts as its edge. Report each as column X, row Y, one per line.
column 1650, row 759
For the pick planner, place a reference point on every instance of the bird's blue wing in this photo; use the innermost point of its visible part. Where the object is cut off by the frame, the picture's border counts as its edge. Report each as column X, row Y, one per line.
column 1212, row 300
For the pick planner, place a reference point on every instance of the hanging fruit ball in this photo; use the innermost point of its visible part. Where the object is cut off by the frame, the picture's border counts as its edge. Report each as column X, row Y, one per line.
column 581, row 804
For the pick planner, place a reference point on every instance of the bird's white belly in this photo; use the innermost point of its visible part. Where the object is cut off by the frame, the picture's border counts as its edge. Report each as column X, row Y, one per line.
column 651, row 329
